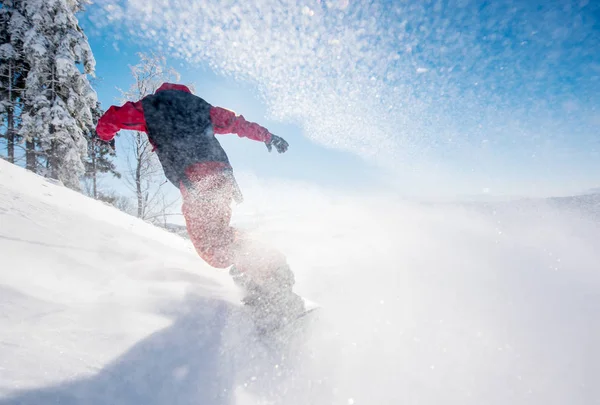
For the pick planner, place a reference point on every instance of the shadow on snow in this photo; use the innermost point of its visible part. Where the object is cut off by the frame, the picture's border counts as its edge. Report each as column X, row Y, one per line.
column 201, row 358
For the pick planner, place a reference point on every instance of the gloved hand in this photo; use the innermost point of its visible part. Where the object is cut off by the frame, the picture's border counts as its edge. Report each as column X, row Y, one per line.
column 280, row 144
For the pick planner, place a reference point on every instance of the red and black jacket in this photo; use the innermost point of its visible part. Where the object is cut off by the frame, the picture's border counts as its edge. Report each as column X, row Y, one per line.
column 180, row 126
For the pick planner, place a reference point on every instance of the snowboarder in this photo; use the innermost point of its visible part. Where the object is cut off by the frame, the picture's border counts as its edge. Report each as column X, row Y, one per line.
column 181, row 127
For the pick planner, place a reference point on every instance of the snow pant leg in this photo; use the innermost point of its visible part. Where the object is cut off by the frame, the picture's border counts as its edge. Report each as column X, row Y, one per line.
column 207, row 212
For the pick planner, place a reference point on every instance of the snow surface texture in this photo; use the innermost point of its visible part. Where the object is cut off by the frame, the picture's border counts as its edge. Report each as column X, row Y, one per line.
column 423, row 304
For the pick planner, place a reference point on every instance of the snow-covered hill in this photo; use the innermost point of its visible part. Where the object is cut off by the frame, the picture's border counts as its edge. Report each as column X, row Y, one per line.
column 423, row 305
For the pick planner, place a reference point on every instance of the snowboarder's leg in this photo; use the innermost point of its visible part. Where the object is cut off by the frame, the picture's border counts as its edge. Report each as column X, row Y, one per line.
column 261, row 271
column 267, row 281
column 207, row 212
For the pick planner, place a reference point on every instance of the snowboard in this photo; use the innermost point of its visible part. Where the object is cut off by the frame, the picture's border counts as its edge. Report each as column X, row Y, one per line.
column 284, row 339
column 296, row 324
column 310, row 307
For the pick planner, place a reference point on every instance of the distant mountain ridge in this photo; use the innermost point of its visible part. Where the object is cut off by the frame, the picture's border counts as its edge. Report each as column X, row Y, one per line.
column 587, row 204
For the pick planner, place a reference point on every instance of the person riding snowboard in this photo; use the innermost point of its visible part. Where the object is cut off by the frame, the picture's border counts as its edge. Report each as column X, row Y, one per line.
column 181, row 128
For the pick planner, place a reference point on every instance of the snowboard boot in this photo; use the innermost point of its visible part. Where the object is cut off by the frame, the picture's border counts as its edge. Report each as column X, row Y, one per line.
column 271, row 301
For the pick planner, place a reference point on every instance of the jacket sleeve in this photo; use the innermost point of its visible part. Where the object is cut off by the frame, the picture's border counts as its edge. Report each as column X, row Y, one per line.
column 128, row 116
column 227, row 122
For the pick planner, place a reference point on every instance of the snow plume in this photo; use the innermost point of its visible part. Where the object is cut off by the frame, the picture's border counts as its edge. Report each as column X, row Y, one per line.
column 430, row 304
column 321, row 66
column 399, row 83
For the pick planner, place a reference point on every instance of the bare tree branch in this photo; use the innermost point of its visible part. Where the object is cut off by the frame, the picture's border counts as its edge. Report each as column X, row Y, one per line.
column 145, row 177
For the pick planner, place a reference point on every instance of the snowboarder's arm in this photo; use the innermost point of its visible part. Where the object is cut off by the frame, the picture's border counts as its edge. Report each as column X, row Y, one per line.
column 128, row 116
column 227, row 122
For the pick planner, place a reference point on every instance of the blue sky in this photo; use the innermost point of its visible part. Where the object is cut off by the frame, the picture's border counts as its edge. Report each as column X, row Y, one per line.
column 448, row 100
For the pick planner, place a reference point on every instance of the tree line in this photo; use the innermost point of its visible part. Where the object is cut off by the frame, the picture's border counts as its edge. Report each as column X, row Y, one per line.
column 49, row 109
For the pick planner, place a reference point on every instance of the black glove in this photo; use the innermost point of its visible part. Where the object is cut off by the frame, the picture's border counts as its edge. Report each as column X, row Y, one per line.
column 280, row 144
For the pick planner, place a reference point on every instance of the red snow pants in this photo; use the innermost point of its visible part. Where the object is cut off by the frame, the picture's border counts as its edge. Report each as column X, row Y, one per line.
column 207, row 212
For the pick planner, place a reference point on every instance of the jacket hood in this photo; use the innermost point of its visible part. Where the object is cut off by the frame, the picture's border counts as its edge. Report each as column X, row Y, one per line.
column 172, row 86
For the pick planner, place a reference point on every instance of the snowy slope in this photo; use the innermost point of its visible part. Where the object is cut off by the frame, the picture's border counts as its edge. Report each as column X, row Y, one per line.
column 82, row 283
column 424, row 305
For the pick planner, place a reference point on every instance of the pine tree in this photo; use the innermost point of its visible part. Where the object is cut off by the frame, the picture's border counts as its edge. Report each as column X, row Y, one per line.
column 13, row 70
column 58, row 99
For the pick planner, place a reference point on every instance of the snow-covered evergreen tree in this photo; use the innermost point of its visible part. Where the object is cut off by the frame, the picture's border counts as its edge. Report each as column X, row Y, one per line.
column 13, row 70
column 58, row 99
